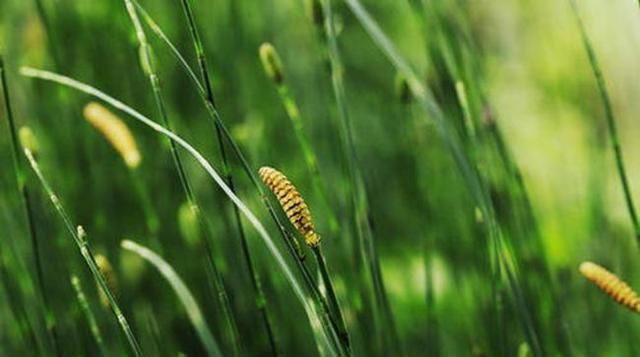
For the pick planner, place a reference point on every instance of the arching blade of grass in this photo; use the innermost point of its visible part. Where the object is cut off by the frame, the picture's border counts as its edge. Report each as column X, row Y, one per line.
column 148, row 66
column 503, row 262
column 210, row 102
column 614, row 138
column 185, row 296
column 79, row 237
column 324, row 337
column 249, row 171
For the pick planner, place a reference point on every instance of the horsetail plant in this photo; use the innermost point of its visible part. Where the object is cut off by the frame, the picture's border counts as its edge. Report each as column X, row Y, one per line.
column 118, row 134
column 291, row 244
column 325, row 333
column 210, row 104
column 611, row 285
column 80, row 238
column 274, row 69
column 356, row 187
column 614, row 138
column 115, row 131
column 184, row 295
column 16, row 139
column 299, row 215
column 88, row 314
column 503, row 263
column 148, row 68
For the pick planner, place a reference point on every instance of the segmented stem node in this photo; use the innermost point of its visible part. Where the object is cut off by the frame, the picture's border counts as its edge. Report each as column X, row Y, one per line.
column 271, row 63
column 115, row 131
column 292, row 203
column 613, row 286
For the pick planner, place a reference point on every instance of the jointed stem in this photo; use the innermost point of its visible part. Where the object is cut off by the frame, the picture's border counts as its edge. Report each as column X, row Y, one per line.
column 358, row 195
column 611, row 122
column 214, row 115
column 210, row 103
column 149, row 68
column 79, row 236
column 310, row 158
column 333, row 299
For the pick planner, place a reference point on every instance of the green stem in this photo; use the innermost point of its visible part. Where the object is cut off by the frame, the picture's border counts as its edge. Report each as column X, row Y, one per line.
column 614, row 138
column 28, row 209
column 210, row 102
column 333, row 299
column 149, row 68
column 91, row 319
column 326, row 338
column 291, row 244
column 151, row 216
column 79, row 236
column 310, row 158
column 358, row 195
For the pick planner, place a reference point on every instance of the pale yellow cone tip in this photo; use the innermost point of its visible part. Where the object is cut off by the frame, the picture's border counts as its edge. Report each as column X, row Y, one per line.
column 115, row 131
column 271, row 62
column 586, row 268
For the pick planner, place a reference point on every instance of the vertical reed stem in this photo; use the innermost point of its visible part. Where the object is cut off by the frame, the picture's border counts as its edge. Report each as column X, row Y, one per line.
column 614, row 138
column 260, row 299
column 149, row 68
column 333, row 299
column 357, row 189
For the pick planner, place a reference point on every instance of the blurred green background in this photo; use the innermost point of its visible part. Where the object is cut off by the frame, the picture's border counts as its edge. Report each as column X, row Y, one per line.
column 524, row 68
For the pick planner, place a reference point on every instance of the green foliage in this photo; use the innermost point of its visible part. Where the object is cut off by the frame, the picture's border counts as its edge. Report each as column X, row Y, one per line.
column 460, row 159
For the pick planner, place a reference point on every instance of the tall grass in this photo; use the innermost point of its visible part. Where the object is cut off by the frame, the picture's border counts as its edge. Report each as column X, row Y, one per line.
column 292, row 245
column 504, row 268
column 359, row 202
column 148, row 66
column 80, row 238
column 261, row 303
column 614, row 138
column 323, row 334
column 28, row 208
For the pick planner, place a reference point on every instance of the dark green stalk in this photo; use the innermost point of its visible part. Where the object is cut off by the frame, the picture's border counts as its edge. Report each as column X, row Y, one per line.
column 333, row 299
column 357, row 190
column 79, row 236
column 149, row 68
column 292, row 247
column 210, row 102
column 28, row 209
column 151, row 216
column 614, row 138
